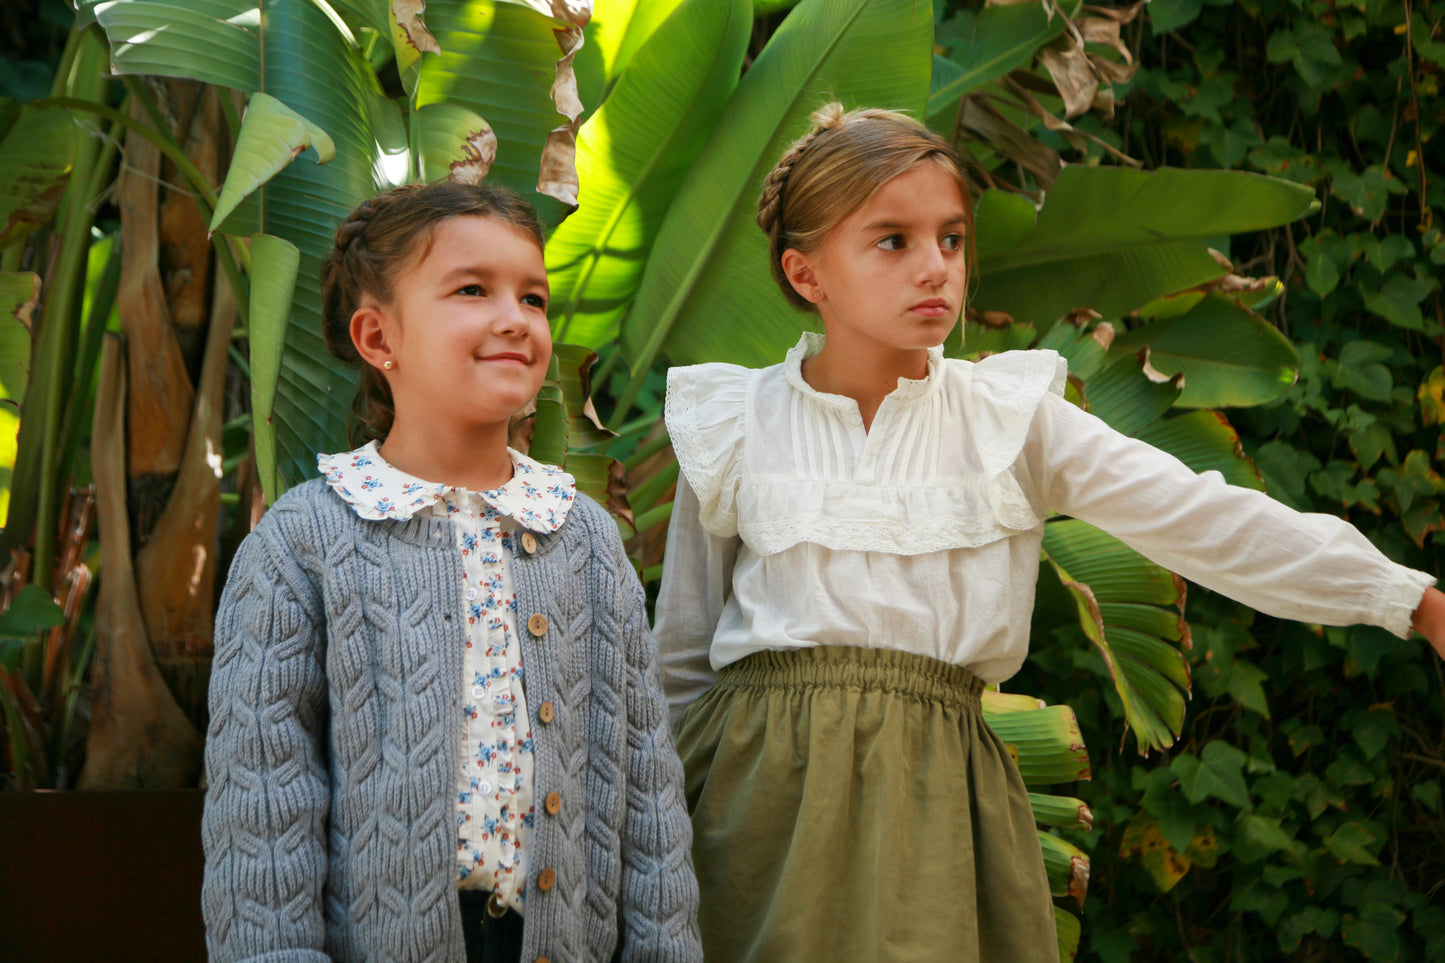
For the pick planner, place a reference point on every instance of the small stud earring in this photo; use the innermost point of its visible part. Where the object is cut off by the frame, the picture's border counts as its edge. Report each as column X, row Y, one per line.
column 388, row 365
column 817, row 294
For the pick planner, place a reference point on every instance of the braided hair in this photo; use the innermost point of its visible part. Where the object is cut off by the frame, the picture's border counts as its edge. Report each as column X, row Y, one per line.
column 373, row 245
column 836, row 168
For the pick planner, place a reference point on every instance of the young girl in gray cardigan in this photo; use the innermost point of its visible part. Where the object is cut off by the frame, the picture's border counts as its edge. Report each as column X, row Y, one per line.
column 437, row 730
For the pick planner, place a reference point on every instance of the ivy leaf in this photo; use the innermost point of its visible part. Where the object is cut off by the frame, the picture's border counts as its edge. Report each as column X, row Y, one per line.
column 1167, row 15
column 1431, row 396
column 1370, row 442
column 1375, row 932
column 1311, row 919
column 1218, row 771
column 1258, row 837
column 1398, row 301
column 1385, row 253
column 1244, row 687
column 1367, row 192
column 1354, row 842
column 1427, row 793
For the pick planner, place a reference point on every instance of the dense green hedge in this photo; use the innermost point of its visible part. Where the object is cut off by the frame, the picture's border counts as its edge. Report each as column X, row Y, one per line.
column 1301, row 815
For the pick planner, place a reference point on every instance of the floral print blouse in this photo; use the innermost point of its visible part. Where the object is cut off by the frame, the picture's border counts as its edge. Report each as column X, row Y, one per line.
column 494, row 808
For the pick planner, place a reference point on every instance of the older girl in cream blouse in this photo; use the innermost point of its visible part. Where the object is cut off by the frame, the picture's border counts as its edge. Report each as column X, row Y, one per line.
column 853, row 553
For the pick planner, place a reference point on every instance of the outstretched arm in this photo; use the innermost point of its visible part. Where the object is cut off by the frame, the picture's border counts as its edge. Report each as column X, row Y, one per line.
column 264, row 827
column 1237, row 541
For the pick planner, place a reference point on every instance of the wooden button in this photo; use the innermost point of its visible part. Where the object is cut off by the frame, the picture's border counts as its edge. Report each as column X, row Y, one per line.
column 546, row 879
column 537, row 625
column 541, row 959
column 545, row 712
column 529, row 543
column 554, row 803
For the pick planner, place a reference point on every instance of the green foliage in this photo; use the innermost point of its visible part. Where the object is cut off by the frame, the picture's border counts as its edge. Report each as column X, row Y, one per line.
column 1300, row 816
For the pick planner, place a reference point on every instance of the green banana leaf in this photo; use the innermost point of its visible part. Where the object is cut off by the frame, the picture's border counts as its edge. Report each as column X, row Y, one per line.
column 632, row 155
column 617, row 30
column 1229, row 356
column 1112, row 239
column 1132, row 610
column 706, row 294
column 37, row 150
column 499, row 59
column 213, row 41
column 272, row 136
column 1205, row 441
column 274, row 263
column 1067, row 925
column 565, row 431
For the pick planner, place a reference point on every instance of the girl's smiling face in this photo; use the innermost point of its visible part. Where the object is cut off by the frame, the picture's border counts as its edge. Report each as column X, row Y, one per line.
column 467, row 330
column 892, row 274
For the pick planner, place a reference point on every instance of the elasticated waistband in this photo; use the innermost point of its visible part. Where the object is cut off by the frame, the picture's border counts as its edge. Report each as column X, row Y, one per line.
column 851, row 667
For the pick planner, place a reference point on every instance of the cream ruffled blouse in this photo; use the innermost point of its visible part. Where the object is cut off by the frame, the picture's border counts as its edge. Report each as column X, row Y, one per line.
column 794, row 527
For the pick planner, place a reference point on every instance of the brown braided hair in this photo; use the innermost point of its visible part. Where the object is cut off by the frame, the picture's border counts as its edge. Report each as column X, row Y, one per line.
column 836, row 168
column 373, row 245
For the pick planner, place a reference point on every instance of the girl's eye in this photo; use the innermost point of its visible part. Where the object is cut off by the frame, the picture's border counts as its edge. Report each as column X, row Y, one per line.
column 535, row 300
column 893, row 242
column 471, row 290
column 952, row 242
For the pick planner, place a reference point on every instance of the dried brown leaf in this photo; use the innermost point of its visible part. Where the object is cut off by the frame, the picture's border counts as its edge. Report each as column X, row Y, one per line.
column 995, row 319
column 1154, row 374
column 986, row 123
column 1072, row 74
column 408, row 20
column 479, row 151
column 1104, row 335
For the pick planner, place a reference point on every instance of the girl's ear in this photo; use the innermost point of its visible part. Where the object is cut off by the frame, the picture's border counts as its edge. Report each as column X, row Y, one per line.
column 371, row 333
column 798, row 269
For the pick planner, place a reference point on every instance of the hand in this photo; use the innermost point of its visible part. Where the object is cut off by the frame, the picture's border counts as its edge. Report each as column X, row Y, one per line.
column 1429, row 619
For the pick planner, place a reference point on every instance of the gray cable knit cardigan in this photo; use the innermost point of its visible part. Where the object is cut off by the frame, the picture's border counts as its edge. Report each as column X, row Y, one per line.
column 332, row 754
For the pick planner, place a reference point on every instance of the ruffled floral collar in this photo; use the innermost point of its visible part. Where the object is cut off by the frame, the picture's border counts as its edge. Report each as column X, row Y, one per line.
column 909, row 389
column 537, row 497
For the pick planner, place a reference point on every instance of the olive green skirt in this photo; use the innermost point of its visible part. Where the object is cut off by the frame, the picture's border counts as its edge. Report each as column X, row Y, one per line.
column 851, row 804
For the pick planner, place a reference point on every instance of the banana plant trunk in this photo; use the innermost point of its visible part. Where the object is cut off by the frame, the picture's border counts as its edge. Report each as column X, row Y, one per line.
column 157, row 462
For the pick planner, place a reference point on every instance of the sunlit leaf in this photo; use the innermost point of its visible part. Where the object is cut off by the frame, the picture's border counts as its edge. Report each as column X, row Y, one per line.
column 272, row 135
column 631, row 157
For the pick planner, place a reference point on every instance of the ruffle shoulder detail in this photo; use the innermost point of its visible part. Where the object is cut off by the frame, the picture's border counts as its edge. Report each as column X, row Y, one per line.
column 705, row 413
column 1002, row 396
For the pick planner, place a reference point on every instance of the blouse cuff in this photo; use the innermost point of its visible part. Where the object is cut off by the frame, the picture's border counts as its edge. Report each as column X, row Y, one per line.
column 1397, row 598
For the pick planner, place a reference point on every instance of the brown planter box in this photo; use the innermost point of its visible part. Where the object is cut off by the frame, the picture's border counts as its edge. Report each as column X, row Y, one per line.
column 112, row 876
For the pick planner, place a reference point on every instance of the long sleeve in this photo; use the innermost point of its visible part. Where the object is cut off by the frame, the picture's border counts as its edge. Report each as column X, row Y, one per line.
column 1242, row 543
column 264, row 827
column 659, row 895
column 696, row 584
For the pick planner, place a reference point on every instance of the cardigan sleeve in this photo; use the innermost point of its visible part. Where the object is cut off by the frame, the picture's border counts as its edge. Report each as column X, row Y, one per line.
column 1236, row 541
column 265, row 818
column 659, row 892
column 696, row 584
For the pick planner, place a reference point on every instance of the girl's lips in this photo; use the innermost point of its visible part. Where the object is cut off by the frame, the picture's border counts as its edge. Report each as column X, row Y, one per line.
column 931, row 308
column 507, row 356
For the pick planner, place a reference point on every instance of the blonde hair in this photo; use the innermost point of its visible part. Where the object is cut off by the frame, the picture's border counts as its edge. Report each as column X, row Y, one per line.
column 373, row 245
column 836, row 168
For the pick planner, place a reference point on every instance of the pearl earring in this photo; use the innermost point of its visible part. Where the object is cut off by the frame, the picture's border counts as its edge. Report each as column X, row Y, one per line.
column 388, row 365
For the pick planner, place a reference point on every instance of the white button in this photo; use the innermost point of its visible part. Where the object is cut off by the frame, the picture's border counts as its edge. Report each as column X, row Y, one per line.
column 471, row 594
column 855, row 420
column 477, row 691
column 485, row 788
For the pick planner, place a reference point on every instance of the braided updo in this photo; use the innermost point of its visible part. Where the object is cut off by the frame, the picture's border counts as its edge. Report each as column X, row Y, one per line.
column 836, row 168
column 373, row 246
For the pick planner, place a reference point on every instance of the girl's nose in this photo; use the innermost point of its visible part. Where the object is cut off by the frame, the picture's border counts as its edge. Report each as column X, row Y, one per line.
column 509, row 318
column 933, row 266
